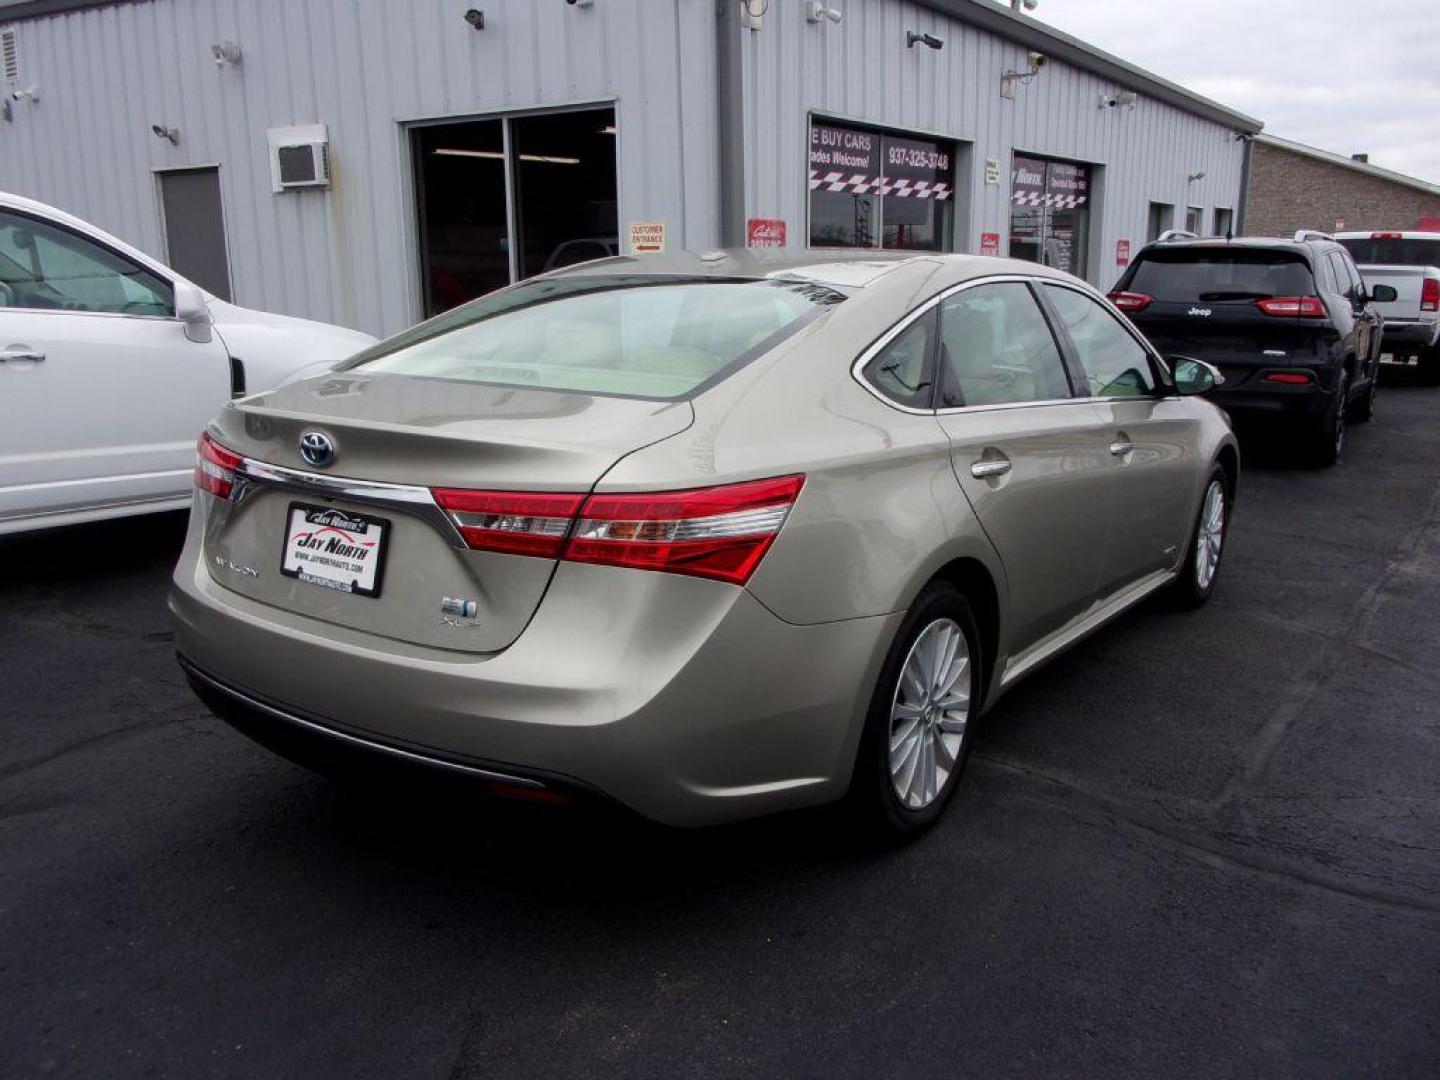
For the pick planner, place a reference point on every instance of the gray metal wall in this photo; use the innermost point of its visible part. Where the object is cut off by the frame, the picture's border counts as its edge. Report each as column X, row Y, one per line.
column 861, row 70
column 364, row 67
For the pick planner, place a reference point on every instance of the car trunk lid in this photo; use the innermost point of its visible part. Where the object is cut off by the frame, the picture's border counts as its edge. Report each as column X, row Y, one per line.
column 395, row 439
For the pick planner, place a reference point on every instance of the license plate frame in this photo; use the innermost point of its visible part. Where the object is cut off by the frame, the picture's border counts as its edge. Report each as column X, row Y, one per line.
column 343, row 523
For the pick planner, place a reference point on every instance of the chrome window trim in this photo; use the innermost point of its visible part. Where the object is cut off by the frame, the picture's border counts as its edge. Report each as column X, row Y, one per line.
column 857, row 369
column 410, row 498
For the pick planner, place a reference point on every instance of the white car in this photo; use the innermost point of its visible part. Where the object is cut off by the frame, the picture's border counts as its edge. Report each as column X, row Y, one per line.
column 110, row 365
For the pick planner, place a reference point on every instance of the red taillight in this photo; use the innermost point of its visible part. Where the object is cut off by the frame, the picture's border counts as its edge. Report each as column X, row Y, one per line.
column 1302, row 307
column 1386, row 236
column 1430, row 295
column 215, row 467
column 1296, row 378
column 1130, row 301
column 720, row 532
column 513, row 522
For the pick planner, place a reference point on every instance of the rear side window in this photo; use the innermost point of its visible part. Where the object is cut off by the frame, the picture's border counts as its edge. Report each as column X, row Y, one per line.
column 1115, row 364
column 1394, row 252
column 1214, row 274
column 996, row 348
column 904, row 370
column 655, row 338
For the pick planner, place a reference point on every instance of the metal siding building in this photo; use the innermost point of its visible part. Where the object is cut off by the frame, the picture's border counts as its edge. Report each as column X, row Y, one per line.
column 711, row 122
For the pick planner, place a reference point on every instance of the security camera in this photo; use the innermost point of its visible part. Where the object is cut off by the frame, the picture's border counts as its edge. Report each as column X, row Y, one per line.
column 476, row 18
column 579, row 3
column 1037, row 60
column 817, row 11
column 930, row 40
column 1108, row 101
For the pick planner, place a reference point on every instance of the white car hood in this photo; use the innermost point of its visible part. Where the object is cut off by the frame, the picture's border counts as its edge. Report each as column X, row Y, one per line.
column 275, row 348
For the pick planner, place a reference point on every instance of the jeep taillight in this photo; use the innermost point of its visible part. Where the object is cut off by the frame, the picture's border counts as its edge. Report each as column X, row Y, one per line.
column 1430, row 295
column 215, row 467
column 1130, row 301
column 714, row 532
column 1294, row 307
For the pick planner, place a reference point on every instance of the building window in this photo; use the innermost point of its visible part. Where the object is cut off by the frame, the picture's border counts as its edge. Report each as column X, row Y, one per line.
column 1050, row 212
column 873, row 189
column 1194, row 219
column 1162, row 218
column 1224, row 221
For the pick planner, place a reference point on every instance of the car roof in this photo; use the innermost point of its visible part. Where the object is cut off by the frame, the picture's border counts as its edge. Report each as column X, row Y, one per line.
column 843, row 269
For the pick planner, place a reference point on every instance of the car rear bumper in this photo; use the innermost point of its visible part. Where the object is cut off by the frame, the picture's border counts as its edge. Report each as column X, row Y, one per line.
column 1275, row 400
column 685, row 700
column 1409, row 334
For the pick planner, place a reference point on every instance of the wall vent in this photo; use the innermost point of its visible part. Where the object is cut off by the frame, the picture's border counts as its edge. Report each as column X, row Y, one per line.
column 9, row 56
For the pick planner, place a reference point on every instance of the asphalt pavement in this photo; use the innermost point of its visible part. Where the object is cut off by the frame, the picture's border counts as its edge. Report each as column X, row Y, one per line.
column 1200, row 844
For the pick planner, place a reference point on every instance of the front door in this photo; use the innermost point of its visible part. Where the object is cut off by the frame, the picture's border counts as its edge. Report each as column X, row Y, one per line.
column 1033, row 460
column 195, row 228
column 102, row 395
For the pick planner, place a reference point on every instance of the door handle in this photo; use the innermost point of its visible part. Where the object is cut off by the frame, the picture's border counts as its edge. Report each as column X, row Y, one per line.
column 1121, row 447
column 989, row 467
column 21, row 353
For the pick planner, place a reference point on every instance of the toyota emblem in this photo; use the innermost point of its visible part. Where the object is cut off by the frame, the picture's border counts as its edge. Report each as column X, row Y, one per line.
column 317, row 449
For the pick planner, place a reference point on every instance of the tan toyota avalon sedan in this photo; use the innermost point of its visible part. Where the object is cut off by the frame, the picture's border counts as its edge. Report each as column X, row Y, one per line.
column 711, row 536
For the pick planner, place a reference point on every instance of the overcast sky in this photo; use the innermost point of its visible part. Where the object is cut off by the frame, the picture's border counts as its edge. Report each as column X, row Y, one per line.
column 1349, row 76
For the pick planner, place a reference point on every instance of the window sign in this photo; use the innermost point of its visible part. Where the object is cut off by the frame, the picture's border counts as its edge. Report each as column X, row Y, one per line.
column 1050, row 212
column 875, row 189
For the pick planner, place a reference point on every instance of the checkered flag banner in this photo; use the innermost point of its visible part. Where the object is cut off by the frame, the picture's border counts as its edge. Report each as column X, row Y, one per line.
column 861, row 184
column 1036, row 198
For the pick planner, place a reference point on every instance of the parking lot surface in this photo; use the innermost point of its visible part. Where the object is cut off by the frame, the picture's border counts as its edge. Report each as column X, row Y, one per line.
column 1200, row 844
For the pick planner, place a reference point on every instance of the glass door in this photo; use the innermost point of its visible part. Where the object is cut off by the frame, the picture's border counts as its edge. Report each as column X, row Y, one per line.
column 1050, row 213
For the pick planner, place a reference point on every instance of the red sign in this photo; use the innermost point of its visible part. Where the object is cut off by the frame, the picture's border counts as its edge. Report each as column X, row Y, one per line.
column 989, row 243
column 1122, row 252
column 765, row 232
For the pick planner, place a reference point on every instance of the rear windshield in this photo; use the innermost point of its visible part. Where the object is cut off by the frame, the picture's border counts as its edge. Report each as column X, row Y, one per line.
column 645, row 337
column 1394, row 252
column 1229, row 274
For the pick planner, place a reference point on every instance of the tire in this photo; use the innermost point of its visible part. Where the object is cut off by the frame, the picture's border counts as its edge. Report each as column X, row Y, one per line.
column 896, row 805
column 1327, row 440
column 1430, row 366
column 1197, row 579
column 1363, row 410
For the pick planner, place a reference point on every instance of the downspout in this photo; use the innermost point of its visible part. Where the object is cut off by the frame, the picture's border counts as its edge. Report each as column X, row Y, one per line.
column 1239, row 226
column 730, row 123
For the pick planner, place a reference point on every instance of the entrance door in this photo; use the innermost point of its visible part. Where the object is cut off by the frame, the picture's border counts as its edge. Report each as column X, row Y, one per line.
column 508, row 198
column 1050, row 213
column 195, row 228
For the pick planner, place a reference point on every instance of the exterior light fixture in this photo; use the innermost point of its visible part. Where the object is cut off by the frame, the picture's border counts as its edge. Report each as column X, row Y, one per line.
column 816, row 11
column 914, row 37
column 172, row 135
column 228, row 53
column 1192, row 177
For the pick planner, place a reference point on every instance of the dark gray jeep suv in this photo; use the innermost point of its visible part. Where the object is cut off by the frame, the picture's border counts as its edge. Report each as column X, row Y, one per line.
column 1289, row 323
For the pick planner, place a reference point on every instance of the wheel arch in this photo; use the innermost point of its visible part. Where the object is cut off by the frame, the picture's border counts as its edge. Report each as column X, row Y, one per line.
column 976, row 583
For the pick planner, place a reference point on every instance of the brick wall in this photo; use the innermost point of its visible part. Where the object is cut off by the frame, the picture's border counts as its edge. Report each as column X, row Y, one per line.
column 1290, row 191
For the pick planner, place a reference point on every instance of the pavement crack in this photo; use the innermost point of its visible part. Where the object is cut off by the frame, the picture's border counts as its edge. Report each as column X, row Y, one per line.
column 24, row 765
column 1211, row 849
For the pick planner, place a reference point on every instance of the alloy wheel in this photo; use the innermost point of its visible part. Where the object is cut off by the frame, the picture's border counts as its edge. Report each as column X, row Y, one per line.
column 1210, row 534
column 929, row 713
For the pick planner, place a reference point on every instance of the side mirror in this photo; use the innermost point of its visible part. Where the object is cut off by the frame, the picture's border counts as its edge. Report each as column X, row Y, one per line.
column 191, row 309
column 1194, row 376
column 1383, row 294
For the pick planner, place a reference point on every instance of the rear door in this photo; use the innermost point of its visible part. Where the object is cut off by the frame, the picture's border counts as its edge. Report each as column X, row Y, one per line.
column 1150, row 436
column 1201, row 301
column 1032, row 459
column 101, row 393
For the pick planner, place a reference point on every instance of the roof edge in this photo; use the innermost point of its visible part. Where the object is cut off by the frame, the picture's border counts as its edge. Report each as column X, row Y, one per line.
column 1062, row 46
column 1377, row 171
column 38, row 9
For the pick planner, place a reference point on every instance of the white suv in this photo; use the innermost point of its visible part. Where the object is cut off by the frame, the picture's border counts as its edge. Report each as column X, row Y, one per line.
column 110, row 365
